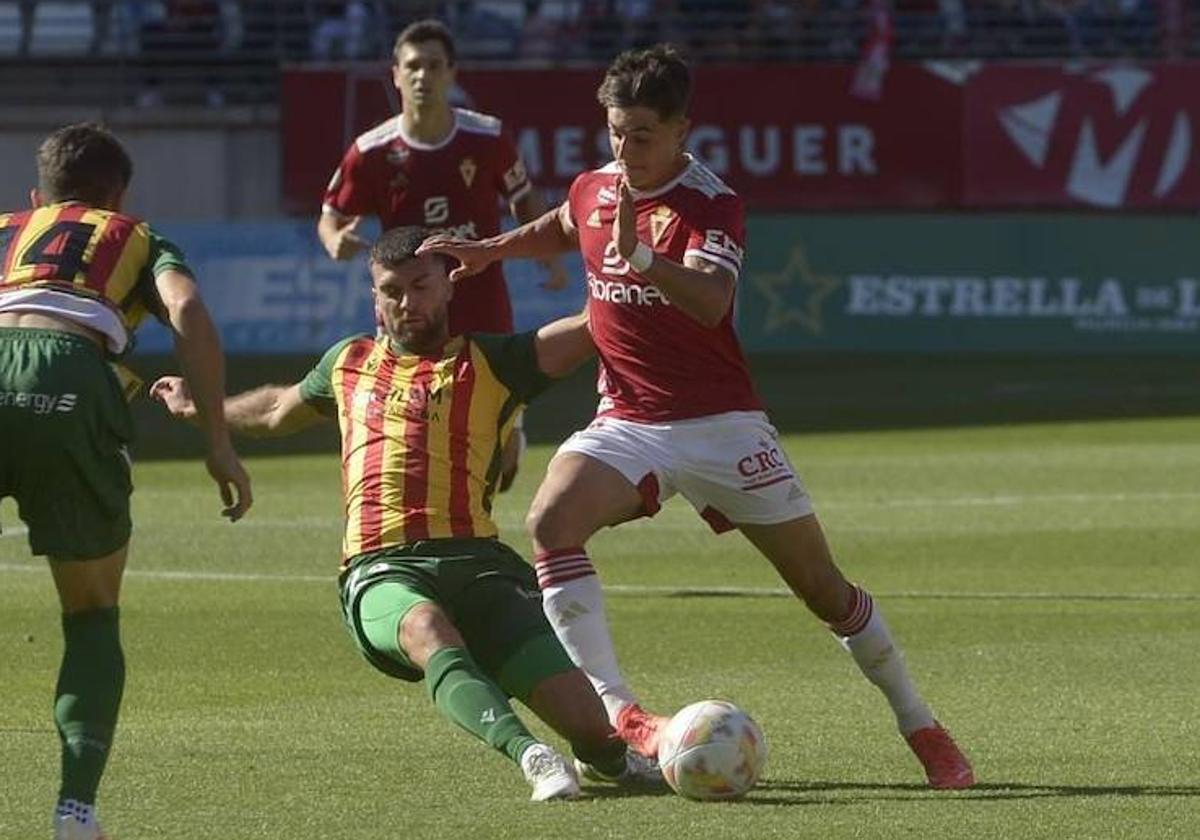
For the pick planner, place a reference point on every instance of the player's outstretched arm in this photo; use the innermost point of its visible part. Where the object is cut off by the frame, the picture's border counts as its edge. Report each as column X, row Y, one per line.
column 339, row 235
column 528, row 208
column 549, row 234
column 269, row 411
column 199, row 350
column 564, row 345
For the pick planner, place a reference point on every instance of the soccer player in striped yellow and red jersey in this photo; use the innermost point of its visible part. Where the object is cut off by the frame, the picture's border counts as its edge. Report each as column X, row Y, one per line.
column 423, row 418
column 443, row 168
column 77, row 276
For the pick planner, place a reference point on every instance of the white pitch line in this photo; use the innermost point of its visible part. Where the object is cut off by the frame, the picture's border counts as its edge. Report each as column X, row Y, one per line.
column 682, row 591
column 1011, row 500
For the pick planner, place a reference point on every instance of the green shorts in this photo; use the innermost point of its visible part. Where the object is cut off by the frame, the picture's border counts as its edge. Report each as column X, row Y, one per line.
column 65, row 425
column 485, row 588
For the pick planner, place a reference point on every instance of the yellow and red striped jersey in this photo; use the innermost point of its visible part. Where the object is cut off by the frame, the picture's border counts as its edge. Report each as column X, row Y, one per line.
column 422, row 435
column 99, row 256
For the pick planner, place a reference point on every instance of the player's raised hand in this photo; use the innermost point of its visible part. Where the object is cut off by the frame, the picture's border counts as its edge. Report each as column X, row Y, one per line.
column 174, row 394
column 624, row 231
column 233, row 483
column 347, row 242
column 556, row 275
column 473, row 257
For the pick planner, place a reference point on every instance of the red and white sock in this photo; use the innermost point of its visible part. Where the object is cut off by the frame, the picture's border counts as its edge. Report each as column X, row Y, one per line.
column 574, row 604
column 865, row 634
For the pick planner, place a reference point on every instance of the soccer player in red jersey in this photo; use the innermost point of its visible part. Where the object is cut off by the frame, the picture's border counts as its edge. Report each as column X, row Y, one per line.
column 663, row 241
column 442, row 168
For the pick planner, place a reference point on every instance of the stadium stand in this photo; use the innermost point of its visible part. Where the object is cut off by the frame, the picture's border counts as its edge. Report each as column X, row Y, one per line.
column 126, row 52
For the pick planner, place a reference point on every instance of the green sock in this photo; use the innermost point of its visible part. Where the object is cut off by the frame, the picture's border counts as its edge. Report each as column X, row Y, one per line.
column 464, row 694
column 88, row 698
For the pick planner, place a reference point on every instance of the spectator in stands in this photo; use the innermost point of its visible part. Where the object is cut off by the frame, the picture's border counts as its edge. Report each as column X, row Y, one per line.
column 777, row 25
column 25, row 9
column 541, row 37
column 341, row 30
column 101, row 18
column 481, row 33
column 1058, row 28
column 845, row 26
column 1118, row 27
column 601, row 28
column 714, row 28
column 190, row 31
column 276, row 30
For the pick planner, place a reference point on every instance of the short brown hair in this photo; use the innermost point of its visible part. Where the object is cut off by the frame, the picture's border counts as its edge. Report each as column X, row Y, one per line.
column 429, row 29
column 399, row 245
column 83, row 162
column 655, row 78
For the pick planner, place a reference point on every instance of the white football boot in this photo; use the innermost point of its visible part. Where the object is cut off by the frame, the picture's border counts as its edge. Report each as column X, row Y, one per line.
column 70, row 827
column 551, row 775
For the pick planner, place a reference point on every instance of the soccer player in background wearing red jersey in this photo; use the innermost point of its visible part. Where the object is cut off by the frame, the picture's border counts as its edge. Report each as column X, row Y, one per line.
column 428, row 591
column 77, row 277
column 663, row 241
column 442, row 168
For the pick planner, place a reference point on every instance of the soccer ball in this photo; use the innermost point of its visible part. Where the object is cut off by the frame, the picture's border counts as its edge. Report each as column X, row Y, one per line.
column 711, row 750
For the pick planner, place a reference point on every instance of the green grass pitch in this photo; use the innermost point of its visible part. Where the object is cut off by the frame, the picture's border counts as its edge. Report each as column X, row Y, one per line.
column 1044, row 581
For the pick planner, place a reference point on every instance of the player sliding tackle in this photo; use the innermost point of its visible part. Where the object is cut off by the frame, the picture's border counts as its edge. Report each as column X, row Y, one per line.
column 662, row 239
column 423, row 418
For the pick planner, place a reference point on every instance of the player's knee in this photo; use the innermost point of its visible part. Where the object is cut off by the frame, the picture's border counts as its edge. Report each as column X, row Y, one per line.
column 550, row 527
column 424, row 631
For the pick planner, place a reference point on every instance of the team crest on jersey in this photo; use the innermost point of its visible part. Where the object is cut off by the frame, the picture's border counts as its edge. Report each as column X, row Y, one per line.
column 516, row 176
column 593, row 221
column 660, row 219
column 606, row 195
column 397, row 156
column 468, row 170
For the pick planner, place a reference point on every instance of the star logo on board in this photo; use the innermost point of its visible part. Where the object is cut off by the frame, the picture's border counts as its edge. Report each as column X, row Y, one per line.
column 468, row 169
column 660, row 219
column 796, row 294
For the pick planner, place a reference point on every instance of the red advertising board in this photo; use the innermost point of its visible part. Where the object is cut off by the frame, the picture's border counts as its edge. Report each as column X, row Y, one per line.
column 1104, row 136
column 785, row 137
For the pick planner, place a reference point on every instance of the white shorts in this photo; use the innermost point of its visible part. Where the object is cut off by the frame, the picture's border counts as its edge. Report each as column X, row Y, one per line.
column 729, row 466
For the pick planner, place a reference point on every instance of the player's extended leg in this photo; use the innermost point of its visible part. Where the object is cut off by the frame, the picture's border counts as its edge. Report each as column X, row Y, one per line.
column 91, row 679
column 459, row 688
column 580, row 495
column 569, row 704
column 798, row 550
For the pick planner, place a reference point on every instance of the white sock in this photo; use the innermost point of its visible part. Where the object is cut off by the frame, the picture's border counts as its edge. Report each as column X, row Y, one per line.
column 81, row 811
column 865, row 635
column 574, row 604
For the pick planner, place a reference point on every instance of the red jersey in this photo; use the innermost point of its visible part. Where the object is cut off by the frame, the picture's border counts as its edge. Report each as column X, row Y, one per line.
column 450, row 187
column 657, row 363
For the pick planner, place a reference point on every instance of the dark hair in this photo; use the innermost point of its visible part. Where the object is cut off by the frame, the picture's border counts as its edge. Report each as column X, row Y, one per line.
column 655, row 78
column 83, row 162
column 398, row 245
column 429, row 29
